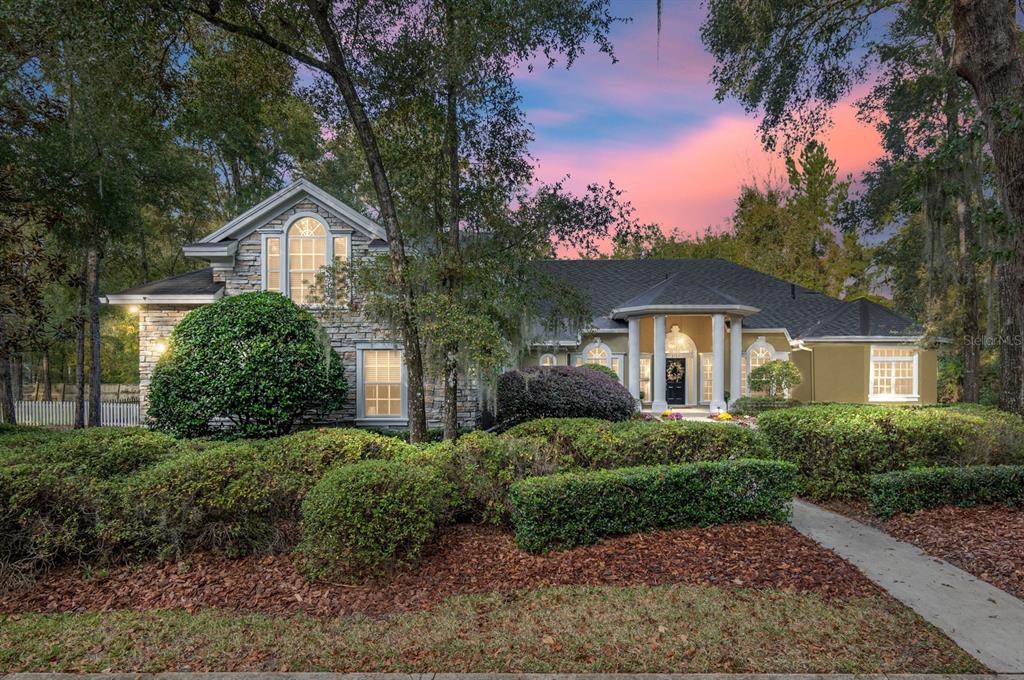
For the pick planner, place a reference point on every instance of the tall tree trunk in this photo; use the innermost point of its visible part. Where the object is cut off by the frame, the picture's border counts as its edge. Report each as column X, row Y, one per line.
column 988, row 56
column 17, row 361
column 453, row 256
column 336, row 68
column 970, row 322
column 83, row 298
column 95, row 386
column 6, row 393
column 47, row 380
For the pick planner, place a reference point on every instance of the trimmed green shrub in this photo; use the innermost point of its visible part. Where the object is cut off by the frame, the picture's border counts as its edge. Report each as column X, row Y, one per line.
column 919, row 488
column 752, row 406
column 480, row 467
column 367, row 518
column 232, row 497
column 606, row 370
column 252, row 365
column 561, row 392
column 56, row 494
column 775, row 377
column 314, row 451
column 590, row 443
column 837, row 446
column 578, row 508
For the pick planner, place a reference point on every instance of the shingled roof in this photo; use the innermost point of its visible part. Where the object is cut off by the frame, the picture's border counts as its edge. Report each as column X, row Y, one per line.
column 769, row 302
column 191, row 287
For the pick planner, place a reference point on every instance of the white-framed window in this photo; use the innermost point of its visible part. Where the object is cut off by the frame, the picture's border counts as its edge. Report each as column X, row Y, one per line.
column 707, row 377
column 294, row 259
column 382, row 384
column 893, row 374
column 599, row 353
column 617, row 363
column 548, row 360
column 758, row 354
column 744, row 384
column 645, row 377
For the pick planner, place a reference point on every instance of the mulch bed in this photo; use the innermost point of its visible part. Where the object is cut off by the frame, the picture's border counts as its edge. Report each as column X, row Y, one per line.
column 987, row 541
column 466, row 559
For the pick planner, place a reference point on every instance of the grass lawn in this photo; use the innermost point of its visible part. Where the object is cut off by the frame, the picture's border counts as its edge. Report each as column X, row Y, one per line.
column 679, row 628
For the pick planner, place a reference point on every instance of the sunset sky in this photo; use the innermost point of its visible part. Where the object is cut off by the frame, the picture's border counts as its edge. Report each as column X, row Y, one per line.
column 650, row 123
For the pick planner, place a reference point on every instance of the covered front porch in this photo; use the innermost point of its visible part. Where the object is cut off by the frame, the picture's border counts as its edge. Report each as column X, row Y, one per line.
column 684, row 360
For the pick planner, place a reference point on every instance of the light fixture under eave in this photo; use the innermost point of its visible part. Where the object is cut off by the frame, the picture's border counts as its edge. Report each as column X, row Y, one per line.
column 133, row 309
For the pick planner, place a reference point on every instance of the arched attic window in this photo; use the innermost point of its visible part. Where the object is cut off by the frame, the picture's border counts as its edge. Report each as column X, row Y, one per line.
column 294, row 269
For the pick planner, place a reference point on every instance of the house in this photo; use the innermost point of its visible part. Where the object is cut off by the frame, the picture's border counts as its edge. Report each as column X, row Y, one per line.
column 677, row 332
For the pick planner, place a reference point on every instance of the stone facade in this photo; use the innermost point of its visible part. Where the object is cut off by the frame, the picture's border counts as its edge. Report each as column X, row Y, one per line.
column 347, row 328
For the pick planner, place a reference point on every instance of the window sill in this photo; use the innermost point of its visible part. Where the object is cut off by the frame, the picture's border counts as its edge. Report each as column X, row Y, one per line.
column 382, row 420
column 893, row 397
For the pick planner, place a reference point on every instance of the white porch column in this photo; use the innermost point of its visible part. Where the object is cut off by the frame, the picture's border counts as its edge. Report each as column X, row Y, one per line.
column 634, row 357
column 718, row 363
column 735, row 358
column 658, row 403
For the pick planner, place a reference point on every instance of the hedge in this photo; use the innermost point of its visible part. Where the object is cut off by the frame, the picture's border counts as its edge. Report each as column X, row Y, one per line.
column 577, row 508
column 596, row 444
column 752, row 406
column 56, row 491
column 480, row 467
column 367, row 518
column 561, row 392
column 919, row 488
column 837, row 447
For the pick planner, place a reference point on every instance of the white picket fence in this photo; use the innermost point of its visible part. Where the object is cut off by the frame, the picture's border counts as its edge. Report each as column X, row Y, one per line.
column 62, row 413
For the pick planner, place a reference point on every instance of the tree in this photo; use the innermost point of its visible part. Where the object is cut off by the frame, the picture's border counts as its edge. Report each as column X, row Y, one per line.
column 794, row 61
column 429, row 96
column 775, row 377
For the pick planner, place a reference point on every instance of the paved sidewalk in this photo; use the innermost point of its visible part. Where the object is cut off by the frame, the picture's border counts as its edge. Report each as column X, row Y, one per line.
column 985, row 621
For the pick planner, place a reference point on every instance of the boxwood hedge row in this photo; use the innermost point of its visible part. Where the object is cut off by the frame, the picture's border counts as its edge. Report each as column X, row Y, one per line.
column 577, row 508
column 837, row 447
column 920, row 488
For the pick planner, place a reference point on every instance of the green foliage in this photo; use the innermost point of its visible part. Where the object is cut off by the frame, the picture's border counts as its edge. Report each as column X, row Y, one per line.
column 56, row 490
column 837, row 447
column 775, row 377
column 480, row 468
column 366, row 518
column 577, row 508
column 919, row 488
column 561, row 391
column 256, row 360
column 601, row 368
column 751, row 406
column 590, row 443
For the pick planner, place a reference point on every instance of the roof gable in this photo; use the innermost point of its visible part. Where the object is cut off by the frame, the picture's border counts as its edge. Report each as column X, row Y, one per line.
column 267, row 209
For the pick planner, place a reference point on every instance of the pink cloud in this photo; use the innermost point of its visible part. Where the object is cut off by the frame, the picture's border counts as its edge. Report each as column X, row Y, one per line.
column 691, row 181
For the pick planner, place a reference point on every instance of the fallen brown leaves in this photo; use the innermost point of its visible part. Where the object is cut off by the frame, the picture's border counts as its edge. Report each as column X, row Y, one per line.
column 987, row 541
column 467, row 559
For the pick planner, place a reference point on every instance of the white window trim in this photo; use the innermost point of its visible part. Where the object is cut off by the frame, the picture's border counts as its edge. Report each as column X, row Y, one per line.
column 554, row 359
column 915, row 359
column 622, row 364
column 282, row 234
column 582, row 354
column 760, row 342
column 650, row 379
column 700, row 375
column 361, row 416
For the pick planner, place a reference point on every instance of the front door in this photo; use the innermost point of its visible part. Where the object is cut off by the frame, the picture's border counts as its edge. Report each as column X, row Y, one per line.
column 675, row 381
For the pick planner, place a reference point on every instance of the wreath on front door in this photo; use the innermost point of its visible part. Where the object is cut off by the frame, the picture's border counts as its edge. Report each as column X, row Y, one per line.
column 675, row 372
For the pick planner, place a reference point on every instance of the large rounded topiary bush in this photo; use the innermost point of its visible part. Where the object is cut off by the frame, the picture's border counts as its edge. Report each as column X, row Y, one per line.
column 254, row 364
column 561, row 392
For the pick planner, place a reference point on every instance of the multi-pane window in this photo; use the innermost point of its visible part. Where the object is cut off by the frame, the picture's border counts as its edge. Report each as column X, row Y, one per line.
column 744, row 386
column 548, row 360
column 707, row 374
column 307, row 255
column 382, row 383
column 893, row 373
column 340, row 260
column 645, row 377
column 759, row 356
column 274, row 264
column 595, row 354
column 617, row 365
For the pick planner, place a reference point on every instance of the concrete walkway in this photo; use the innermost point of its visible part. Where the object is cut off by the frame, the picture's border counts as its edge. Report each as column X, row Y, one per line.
column 985, row 621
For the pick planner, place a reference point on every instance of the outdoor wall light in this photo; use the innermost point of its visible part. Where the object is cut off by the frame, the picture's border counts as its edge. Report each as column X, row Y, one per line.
column 160, row 347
